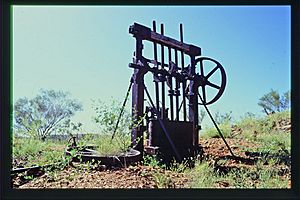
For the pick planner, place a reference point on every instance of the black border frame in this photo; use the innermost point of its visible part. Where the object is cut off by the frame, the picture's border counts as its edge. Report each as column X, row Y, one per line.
column 6, row 106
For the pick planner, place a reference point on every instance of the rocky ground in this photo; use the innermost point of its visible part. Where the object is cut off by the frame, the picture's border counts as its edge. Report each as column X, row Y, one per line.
column 222, row 160
column 139, row 176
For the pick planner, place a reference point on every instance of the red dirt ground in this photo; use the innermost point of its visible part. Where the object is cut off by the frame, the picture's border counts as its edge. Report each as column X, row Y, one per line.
column 140, row 176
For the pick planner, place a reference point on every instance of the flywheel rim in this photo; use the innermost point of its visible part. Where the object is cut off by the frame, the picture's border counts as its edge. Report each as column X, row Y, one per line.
column 208, row 83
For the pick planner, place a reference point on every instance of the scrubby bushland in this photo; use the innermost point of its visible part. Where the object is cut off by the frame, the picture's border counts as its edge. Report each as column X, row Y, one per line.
column 272, row 102
column 264, row 142
column 44, row 114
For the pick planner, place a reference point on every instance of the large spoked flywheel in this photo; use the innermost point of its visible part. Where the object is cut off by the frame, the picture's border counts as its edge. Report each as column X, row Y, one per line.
column 211, row 79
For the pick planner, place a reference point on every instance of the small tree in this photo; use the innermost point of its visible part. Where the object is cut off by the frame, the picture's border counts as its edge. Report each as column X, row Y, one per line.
column 44, row 114
column 286, row 100
column 69, row 127
column 272, row 102
column 106, row 117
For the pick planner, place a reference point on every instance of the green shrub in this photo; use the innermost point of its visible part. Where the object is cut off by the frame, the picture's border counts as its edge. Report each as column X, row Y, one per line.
column 113, row 139
column 162, row 180
column 274, row 141
column 248, row 121
column 107, row 115
column 203, row 175
column 273, row 145
column 212, row 132
column 153, row 161
column 37, row 152
column 105, row 145
column 26, row 147
column 267, row 124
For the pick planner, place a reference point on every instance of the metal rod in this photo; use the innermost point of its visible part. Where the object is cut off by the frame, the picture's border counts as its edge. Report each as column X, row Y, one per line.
column 122, row 110
column 212, row 119
column 171, row 87
column 179, row 110
column 162, row 83
column 203, row 86
column 177, row 87
column 183, row 83
column 33, row 169
column 155, row 58
column 193, row 103
column 162, row 125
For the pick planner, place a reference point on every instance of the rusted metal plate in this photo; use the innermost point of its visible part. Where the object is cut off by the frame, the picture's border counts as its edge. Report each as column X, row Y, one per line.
column 181, row 134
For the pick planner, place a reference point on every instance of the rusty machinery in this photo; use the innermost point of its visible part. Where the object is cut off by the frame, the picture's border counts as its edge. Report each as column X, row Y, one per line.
column 180, row 85
column 172, row 120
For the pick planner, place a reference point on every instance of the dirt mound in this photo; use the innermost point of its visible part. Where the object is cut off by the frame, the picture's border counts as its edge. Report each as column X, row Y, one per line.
column 223, row 162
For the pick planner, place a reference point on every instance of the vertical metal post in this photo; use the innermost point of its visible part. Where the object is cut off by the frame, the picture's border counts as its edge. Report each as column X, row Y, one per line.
column 177, row 87
column 171, row 86
column 183, row 83
column 155, row 58
column 162, row 83
column 138, row 100
column 193, row 102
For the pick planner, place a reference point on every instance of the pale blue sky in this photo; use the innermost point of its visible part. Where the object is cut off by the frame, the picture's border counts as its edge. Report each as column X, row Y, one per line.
column 86, row 49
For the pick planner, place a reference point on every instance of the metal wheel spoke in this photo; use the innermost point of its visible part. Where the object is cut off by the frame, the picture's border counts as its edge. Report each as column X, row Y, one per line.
column 201, row 68
column 204, row 94
column 211, row 72
column 213, row 85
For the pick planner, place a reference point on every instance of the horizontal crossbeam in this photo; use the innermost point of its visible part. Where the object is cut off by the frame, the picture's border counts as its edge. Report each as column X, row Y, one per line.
column 145, row 33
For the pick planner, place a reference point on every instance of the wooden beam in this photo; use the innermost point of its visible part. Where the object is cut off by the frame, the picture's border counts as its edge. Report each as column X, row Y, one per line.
column 145, row 33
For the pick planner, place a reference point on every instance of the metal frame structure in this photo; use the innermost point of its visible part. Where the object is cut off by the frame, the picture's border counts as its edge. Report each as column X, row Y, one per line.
column 174, row 137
